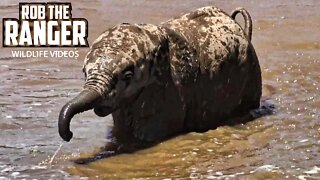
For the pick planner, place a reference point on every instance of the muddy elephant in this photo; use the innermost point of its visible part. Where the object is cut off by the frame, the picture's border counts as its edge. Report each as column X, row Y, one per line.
column 190, row 73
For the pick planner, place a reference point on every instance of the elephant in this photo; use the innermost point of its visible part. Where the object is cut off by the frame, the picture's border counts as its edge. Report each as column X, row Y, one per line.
column 188, row 74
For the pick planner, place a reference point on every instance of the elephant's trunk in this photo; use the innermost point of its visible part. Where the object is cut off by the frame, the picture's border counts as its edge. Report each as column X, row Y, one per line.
column 86, row 100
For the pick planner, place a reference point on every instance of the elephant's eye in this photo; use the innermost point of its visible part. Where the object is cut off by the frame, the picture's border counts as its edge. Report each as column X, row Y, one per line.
column 127, row 75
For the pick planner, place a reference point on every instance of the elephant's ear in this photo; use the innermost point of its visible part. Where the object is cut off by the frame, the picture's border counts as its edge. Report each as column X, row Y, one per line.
column 183, row 59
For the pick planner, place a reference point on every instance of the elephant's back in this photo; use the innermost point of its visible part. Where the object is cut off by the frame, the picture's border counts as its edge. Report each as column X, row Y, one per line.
column 203, row 23
column 213, row 34
column 205, row 16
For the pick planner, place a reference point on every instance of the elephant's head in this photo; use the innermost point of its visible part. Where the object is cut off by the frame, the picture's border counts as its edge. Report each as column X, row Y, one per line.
column 120, row 63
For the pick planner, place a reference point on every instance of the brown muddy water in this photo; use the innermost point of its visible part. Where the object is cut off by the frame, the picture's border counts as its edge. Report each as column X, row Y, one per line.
column 285, row 144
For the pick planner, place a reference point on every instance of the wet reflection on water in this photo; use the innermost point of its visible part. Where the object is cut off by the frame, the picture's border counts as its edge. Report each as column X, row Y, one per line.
column 282, row 145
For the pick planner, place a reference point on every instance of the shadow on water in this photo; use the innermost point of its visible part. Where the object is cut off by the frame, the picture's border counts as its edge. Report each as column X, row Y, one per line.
column 111, row 149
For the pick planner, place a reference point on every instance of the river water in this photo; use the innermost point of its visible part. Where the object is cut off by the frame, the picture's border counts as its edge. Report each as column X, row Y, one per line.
column 282, row 144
